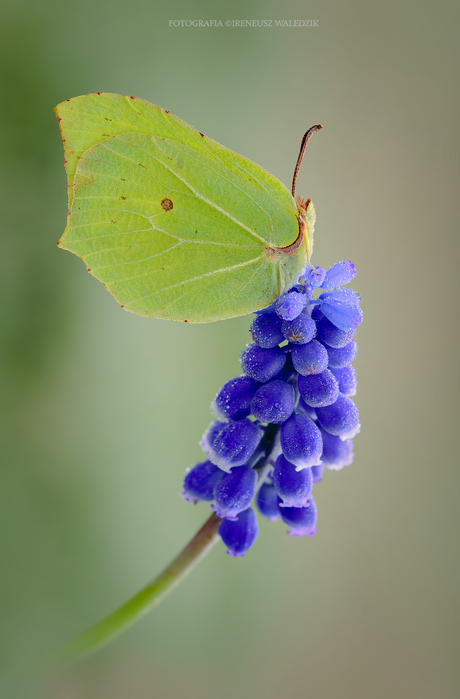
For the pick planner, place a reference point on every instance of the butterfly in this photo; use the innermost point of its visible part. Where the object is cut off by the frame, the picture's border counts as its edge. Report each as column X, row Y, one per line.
column 175, row 225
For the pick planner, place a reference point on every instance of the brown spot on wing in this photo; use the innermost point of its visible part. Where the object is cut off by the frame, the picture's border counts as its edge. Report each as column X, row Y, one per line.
column 167, row 204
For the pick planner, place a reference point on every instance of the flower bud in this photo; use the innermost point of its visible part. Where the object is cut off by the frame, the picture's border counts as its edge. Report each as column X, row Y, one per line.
column 346, row 378
column 262, row 364
column 211, row 433
column 314, row 277
column 311, row 358
column 302, row 520
column 239, row 534
column 234, row 491
column 317, row 472
column 301, row 441
column 341, row 418
column 234, row 398
column 331, row 335
column 268, row 502
column 343, row 356
column 300, row 330
column 290, row 305
column 294, row 487
column 234, row 444
column 342, row 308
column 319, row 390
column 337, row 452
column 200, row 480
column 266, row 330
column 339, row 274
column 273, row 402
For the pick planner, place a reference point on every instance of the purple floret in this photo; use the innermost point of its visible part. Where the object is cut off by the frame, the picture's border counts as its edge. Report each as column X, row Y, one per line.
column 346, row 378
column 302, row 520
column 337, row 452
column 317, row 472
column 294, row 487
column 234, row 398
column 239, row 534
column 266, row 330
column 268, row 502
column 262, row 364
column 311, row 358
column 234, row 444
column 339, row 274
column 341, row 418
column 331, row 335
column 342, row 308
column 319, row 390
column 300, row 330
column 199, row 482
column 234, row 491
column 290, row 305
column 314, row 277
column 343, row 356
column 273, row 402
column 301, row 441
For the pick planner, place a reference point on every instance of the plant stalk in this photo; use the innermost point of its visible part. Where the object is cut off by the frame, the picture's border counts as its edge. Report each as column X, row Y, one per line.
column 155, row 591
column 148, row 597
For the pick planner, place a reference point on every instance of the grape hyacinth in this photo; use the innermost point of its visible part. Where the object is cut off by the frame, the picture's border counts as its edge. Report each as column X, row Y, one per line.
column 289, row 416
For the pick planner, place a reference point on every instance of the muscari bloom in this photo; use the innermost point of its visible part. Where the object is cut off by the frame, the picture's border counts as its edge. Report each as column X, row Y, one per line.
column 289, row 416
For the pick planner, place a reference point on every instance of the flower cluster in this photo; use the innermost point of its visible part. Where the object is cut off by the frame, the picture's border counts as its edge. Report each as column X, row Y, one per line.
column 288, row 416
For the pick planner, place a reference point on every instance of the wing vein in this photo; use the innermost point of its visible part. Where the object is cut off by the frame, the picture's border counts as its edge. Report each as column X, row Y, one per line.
column 194, row 279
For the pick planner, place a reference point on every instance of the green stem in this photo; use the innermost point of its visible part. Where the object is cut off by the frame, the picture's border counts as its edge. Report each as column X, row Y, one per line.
column 154, row 592
column 144, row 600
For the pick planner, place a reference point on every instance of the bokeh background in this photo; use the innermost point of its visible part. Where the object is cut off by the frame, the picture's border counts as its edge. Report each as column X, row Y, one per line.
column 103, row 410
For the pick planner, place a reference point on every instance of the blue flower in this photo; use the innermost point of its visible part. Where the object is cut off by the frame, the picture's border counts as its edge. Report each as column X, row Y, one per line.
column 241, row 533
column 302, row 520
column 293, row 487
column 289, row 416
column 199, row 482
column 339, row 274
column 290, row 305
column 268, row 502
column 234, row 491
column 234, row 398
column 342, row 308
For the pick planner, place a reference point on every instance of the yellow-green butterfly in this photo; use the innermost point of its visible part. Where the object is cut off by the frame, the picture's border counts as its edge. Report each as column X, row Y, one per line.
column 175, row 225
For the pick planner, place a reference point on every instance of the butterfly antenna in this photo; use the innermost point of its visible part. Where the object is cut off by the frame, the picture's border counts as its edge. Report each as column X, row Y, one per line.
column 303, row 145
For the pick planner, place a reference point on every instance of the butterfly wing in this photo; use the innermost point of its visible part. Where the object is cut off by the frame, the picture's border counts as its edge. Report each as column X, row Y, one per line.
column 89, row 119
column 175, row 225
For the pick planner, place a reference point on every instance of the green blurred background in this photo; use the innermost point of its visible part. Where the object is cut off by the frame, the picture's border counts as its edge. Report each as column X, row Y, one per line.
column 103, row 410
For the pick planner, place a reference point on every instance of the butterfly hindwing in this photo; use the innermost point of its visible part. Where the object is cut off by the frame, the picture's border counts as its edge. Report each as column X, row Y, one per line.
column 175, row 225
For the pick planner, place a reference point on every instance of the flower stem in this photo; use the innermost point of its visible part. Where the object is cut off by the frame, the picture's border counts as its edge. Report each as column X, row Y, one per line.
column 144, row 600
column 155, row 591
